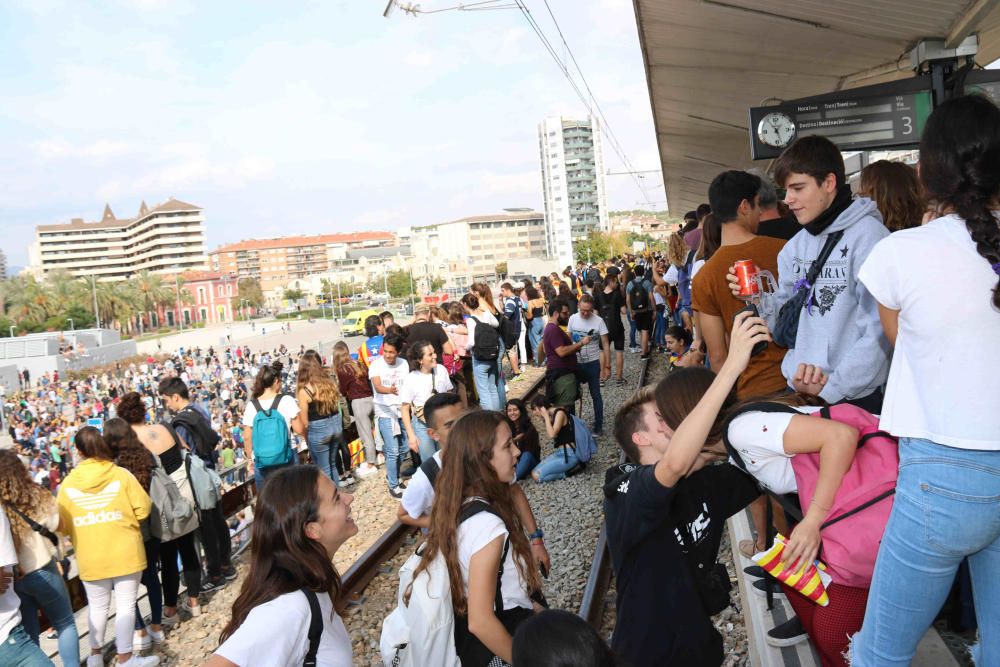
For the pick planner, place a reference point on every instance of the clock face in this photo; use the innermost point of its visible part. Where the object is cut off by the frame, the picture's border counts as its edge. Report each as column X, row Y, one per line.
column 776, row 130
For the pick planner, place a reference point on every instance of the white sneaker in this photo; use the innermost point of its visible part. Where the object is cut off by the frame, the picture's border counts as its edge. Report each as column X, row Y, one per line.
column 156, row 636
column 141, row 642
column 169, row 621
column 95, row 661
column 141, row 661
column 365, row 470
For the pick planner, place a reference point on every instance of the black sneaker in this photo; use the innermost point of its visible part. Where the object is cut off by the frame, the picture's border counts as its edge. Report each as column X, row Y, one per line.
column 788, row 633
column 755, row 571
column 229, row 572
column 760, row 587
column 212, row 585
column 396, row 493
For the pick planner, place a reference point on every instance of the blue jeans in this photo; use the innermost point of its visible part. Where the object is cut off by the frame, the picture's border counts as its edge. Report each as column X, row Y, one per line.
column 45, row 589
column 424, row 441
column 151, row 580
column 260, row 474
column 947, row 507
column 555, row 466
column 525, row 464
column 19, row 651
column 535, row 328
column 591, row 370
column 660, row 327
column 322, row 439
column 486, row 375
column 631, row 330
column 394, row 447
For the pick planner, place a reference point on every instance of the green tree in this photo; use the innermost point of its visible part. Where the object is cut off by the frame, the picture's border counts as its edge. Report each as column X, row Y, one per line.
column 117, row 303
column 31, row 300
column 599, row 246
column 436, row 284
column 248, row 289
column 293, row 294
column 153, row 292
column 398, row 283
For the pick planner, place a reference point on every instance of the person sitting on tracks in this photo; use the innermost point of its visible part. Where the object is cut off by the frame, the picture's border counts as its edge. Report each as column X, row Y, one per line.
column 656, row 621
column 285, row 610
column 563, row 461
column 554, row 638
column 488, row 555
column 525, row 437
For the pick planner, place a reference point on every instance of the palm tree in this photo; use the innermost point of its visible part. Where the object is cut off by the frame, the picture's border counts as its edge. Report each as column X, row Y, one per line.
column 153, row 292
column 65, row 290
column 117, row 302
column 30, row 300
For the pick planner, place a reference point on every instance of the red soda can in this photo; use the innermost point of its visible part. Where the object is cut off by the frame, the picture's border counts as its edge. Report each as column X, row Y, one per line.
column 746, row 276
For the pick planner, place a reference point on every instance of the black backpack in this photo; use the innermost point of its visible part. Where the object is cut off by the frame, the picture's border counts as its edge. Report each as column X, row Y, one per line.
column 431, row 470
column 315, row 628
column 507, row 329
column 205, row 436
column 639, row 295
column 486, row 343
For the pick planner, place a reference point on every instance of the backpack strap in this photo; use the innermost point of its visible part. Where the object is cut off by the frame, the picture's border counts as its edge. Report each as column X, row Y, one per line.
column 315, row 628
column 431, row 469
column 35, row 526
column 469, row 510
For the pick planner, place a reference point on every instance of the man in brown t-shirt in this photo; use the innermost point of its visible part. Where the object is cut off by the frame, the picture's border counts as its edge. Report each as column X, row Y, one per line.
column 733, row 196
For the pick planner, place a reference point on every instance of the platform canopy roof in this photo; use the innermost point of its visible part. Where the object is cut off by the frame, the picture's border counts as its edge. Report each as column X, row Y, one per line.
column 708, row 61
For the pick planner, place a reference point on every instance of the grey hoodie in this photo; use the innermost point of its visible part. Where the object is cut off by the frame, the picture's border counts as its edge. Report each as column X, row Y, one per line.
column 842, row 334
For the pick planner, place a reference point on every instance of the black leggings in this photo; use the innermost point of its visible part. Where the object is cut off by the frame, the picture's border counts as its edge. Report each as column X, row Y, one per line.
column 341, row 455
column 184, row 545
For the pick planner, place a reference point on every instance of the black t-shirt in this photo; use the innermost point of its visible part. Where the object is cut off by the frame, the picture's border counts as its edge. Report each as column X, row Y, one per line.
column 779, row 228
column 432, row 332
column 609, row 307
column 660, row 617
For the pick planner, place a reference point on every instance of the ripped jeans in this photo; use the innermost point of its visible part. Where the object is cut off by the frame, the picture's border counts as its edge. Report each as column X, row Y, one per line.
column 947, row 507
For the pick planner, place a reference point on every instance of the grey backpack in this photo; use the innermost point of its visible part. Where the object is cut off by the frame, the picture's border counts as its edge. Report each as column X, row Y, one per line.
column 172, row 515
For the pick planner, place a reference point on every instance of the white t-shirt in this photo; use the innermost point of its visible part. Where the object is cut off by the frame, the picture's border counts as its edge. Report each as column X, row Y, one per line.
column 277, row 633
column 943, row 382
column 387, row 405
column 698, row 263
column 759, row 438
column 10, row 604
column 578, row 328
column 473, row 535
column 418, row 498
column 416, row 387
column 288, row 407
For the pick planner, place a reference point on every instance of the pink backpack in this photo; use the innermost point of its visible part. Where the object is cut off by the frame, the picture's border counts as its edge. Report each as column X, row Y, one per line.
column 853, row 529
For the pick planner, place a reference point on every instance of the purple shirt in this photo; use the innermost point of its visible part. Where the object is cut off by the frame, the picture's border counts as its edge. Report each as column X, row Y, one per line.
column 553, row 337
column 693, row 238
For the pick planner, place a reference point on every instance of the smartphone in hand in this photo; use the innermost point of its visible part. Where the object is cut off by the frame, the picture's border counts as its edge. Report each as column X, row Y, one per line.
column 762, row 345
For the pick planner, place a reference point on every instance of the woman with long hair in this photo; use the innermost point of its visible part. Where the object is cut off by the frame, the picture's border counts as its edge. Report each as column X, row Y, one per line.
column 474, row 524
column 567, row 294
column 101, row 506
column 896, row 190
column 454, row 326
column 300, row 520
column 426, row 378
column 267, row 394
column 942, row 401
column 319, row 411
column 485, row 372
column 162, row 442
column 534, row 316
column 558, row 426
column 354, row 384
column 39, row 581
column 131, row 455
column 525, row 437
column 679, row 273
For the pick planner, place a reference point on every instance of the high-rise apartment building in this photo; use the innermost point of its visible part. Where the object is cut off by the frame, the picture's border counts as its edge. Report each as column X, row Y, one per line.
column 572, row 183
column 168, row 238
column 276, row 262
column 469, row 249
column 3, row 265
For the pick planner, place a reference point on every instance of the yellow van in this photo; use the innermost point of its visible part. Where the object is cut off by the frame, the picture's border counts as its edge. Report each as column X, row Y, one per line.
column 354, row 324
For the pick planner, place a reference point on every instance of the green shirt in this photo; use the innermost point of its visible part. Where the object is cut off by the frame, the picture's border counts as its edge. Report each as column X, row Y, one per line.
column 228, row 457
column 54, row 451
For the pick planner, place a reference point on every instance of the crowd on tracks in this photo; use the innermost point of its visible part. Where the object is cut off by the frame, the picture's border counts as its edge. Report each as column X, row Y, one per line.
column 834, row 369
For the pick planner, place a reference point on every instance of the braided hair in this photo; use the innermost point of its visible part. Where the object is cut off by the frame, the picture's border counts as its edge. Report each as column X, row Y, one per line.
column 960, row 169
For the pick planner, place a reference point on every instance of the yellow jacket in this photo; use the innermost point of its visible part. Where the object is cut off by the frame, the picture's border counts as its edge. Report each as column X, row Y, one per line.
column 100, row 507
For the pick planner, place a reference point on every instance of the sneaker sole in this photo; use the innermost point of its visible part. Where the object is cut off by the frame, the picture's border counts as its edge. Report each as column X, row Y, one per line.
column 778, row 593
column 783, row 643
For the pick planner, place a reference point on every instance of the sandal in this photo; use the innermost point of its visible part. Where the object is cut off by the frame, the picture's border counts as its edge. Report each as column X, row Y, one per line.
column 748, row 548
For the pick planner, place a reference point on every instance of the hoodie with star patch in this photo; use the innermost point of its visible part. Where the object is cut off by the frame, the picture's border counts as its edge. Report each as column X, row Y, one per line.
column 100, row 507
column 840, row 331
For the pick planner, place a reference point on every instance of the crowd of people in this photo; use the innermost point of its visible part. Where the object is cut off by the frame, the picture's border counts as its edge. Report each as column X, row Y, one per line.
column 808, row 381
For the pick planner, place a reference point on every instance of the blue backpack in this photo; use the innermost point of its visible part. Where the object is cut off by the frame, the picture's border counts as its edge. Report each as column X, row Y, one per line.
column 586, row 444
column 272, row 445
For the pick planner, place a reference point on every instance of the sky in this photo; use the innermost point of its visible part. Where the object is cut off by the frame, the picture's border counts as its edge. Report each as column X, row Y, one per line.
column 299, row 117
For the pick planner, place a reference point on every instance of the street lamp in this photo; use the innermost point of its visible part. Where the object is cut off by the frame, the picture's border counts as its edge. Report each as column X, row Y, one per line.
column 245, row 307
column 93, row 287
column 71, row 325
column 12, row 327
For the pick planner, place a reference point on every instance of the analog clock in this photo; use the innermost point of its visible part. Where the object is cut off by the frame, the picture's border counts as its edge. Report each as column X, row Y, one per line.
column 776, row 130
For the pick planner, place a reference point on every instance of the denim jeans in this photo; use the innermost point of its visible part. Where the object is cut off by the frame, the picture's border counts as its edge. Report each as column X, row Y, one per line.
column 631, row 330
column 19, row 651
column 555, row 466
column 660, row 327
column 525, row 464
column 591, row 370
column 535, row 328
column 394, row 448
column 45, row 589
column 426, row 444
column 260, row 474
column 947, row 507
column 486, row 375
column 322, row 441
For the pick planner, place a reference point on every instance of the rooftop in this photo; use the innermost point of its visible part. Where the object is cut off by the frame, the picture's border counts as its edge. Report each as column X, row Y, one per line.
column 109, row 221
column 292, row 241
column 512, row 216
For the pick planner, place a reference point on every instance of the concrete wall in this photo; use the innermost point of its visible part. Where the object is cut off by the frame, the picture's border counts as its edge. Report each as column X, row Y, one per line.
column 9, row 378
column 39, row 353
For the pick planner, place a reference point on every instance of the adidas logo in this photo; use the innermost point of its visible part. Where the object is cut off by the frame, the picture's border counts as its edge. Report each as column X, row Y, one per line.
column 97, row 500
column 92, row 518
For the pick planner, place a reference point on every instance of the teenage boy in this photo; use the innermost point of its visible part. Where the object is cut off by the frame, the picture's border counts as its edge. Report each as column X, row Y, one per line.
column 512, row 311
column 840, row 352
column 665, row 517
column 371, row 349
column 387, row 374
column 194, row 429
column 593, row 360
column 734, row 199
column 639, row 299
column 442, row 411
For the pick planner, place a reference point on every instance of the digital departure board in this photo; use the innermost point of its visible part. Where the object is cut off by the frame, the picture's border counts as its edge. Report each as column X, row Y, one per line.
column 852, row 120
